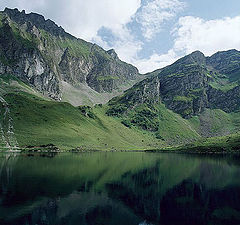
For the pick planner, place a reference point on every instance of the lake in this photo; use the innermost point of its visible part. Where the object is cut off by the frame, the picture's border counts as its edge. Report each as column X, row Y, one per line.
column 119, row 189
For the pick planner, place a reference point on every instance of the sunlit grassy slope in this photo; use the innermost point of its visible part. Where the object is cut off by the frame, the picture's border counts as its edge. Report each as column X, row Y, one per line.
column 216, row 122
column 37, row 122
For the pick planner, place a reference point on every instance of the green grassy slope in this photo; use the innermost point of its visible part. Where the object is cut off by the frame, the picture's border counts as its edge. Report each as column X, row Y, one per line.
column 224, row 144
column 163, row 123
column 215, row 122
column 37, row 122
column 152, row 117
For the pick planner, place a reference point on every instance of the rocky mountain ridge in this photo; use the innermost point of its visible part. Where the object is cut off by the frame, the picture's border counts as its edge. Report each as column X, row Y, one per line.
column 43, row 55
column 190, row 85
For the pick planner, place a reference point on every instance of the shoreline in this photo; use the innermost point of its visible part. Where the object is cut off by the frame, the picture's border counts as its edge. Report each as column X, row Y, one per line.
column 207, row 151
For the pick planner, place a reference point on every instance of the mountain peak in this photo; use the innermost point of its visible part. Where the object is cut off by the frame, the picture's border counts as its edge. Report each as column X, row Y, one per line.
column 226, row 62
column 195, row 57
column 7, row 10
column 42, row 54
column 37, row 20
column 113, row 54
column 197, row 53
column 226, row 53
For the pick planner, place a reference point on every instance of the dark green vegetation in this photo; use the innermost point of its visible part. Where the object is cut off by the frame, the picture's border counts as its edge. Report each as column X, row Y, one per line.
column 163, row 123
column 214, row 145
column 119, row 188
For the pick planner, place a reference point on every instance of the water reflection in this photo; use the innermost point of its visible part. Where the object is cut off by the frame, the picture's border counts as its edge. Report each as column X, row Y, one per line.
column 119, row 188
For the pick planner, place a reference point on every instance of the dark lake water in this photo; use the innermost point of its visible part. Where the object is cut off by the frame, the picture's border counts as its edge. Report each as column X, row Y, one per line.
column 119, row 189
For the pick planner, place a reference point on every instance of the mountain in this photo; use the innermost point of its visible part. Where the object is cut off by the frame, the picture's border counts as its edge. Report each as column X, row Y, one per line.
column 140, row 118
column 203, row 90
column 42, row 65
column 43, row 69
column 57, row 64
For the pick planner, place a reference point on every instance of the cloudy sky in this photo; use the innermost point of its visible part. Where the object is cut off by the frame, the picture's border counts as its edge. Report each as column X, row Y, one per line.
column 147, row 33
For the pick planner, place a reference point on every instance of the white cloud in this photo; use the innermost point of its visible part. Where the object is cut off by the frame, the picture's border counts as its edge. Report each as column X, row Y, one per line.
column 154, row 14
column 23, row 4
column 193, row 33
column 151, row 16
column 80, row 17
column 125, row 44
column 156, row 61
column 85, row 18
column 208, row 36
column 128, row 50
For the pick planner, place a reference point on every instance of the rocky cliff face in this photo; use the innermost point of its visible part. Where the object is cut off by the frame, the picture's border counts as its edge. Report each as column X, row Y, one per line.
column 42, row 54
column 145, row 92
column 227, row 63
column 21, row 58
column 190, row 85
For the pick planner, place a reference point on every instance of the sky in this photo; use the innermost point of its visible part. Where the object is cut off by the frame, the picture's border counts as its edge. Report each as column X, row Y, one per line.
column 149, row 34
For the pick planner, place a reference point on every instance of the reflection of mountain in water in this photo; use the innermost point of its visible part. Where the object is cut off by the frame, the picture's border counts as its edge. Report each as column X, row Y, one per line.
column 79, row 208
column 185, row 203
column 6, row 170
column 122, row 188
column 191, row 203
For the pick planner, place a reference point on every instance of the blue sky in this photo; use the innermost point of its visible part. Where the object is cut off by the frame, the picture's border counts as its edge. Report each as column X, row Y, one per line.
column 147, row 33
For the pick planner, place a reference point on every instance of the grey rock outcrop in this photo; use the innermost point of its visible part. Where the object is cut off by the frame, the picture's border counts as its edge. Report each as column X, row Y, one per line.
column 42, row 54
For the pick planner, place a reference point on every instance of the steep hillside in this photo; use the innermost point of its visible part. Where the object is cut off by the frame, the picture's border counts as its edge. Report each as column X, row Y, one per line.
column 200, row 89
column 60, row 66
column 28, row 118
